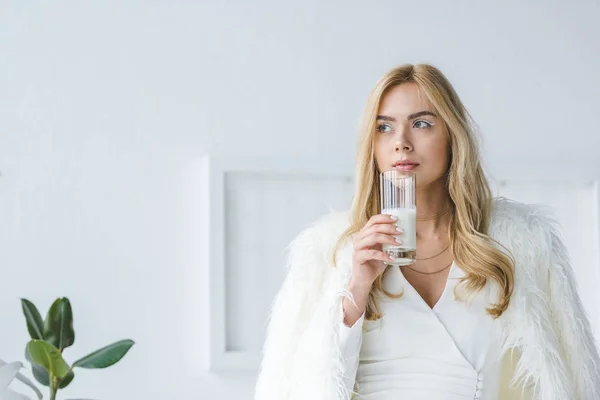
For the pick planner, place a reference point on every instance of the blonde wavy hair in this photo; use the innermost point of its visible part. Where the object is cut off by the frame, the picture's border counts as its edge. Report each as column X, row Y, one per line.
column 468, row 187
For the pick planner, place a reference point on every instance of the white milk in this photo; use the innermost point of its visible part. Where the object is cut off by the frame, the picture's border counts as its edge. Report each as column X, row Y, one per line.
column 407, row 221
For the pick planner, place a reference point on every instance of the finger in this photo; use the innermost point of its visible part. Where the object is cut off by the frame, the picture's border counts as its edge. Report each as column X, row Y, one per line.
column 367, row 255
column 376, row 220
column 380, row 219
column 390, row 229
column 375, row 239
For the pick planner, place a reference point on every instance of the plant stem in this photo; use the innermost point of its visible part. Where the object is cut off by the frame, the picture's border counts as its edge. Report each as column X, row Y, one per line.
column 53, row 388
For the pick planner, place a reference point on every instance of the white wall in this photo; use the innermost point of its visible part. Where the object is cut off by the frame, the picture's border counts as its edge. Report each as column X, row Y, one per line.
column 104, row 105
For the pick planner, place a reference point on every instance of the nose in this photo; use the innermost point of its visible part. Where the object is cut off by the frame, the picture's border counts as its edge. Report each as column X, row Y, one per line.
column 403, row 142
column 402, row 145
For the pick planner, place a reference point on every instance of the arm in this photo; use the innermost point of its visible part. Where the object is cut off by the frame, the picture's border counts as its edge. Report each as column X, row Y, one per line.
column 295, row 338
column 301, row 351
column 302, row 356
column 287, row 320
column 569, row 317
column 350, row 341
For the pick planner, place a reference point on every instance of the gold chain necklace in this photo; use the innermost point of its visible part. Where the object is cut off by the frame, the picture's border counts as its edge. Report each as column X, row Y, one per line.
column 434, row 217
column 429, row 273
column 429, row 258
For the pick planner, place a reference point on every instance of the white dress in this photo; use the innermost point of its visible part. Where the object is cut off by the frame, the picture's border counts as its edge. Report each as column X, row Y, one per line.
column 414, row 352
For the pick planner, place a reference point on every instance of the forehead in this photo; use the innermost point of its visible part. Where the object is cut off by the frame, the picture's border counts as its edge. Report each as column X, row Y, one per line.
column 402, row 100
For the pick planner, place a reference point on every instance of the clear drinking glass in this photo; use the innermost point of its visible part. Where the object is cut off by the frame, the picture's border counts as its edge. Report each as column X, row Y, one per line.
column 397, row 191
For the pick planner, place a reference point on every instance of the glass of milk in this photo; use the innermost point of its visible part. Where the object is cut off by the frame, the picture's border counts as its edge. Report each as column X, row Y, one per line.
column 397, row 197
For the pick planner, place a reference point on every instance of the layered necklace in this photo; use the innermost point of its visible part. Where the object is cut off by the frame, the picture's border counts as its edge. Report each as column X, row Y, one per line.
column 437, row 216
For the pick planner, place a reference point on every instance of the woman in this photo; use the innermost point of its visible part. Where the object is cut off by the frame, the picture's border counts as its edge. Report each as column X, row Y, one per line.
column 490, row 308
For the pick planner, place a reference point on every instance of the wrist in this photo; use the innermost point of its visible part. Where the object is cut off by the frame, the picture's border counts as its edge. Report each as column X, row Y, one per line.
column 359, row 287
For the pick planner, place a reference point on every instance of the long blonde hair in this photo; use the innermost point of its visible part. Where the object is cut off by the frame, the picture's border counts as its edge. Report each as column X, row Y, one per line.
column 468, row 187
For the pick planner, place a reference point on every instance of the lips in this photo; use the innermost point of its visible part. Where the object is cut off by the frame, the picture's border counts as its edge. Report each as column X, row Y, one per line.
column 405, row 165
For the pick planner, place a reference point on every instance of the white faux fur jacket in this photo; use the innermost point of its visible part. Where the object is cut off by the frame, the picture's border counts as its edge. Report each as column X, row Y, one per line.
column 550, row 353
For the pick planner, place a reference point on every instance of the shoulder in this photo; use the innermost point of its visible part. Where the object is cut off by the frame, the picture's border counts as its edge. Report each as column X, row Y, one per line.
column 322, row 233
column 332, row 223
column 309, row 254
column 512, row 219
column 532, row 236
column 507, row 212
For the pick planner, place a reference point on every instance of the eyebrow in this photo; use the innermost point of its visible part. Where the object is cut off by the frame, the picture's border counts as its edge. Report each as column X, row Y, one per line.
column 411, row 116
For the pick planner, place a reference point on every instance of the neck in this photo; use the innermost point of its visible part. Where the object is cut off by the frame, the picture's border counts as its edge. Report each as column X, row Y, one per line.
column 431, row 202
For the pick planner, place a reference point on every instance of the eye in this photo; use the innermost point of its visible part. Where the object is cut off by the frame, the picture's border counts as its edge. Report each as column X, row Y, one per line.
column 380, row 128
column 422, row 124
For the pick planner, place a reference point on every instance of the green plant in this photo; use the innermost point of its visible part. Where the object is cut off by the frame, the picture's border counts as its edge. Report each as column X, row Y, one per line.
column 51, row 336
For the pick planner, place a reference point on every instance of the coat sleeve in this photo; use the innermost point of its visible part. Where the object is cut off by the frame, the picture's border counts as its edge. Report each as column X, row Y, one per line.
column 289, row 312
column 350, row 343
column 301, row 358
column 571, row 322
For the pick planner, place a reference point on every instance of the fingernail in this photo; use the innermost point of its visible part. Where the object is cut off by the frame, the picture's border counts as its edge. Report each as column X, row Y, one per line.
column 394, row 218
column 398, row 241
column 399, row 230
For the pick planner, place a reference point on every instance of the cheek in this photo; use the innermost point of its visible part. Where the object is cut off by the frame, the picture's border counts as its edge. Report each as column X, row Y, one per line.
column 438, row 154
column 442, row 153
column 379, row 152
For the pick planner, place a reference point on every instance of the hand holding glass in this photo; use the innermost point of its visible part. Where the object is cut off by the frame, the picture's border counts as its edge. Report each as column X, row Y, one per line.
column 398, row 198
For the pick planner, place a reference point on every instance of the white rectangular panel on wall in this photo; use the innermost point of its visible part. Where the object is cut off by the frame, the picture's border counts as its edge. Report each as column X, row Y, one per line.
column 574, row 203
column 256, row 208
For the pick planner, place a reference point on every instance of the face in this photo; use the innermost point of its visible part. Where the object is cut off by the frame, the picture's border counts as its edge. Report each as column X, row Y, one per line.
column 409, row 131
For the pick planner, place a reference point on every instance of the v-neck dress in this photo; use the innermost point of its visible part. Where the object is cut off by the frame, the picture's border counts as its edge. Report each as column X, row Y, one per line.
column 415, row 352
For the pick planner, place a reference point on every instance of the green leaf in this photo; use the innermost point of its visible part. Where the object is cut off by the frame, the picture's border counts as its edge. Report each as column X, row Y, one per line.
column 41, row 375
column 48, row 356
column 35, row 324
column 64, row 382
column 106, row 356
column 58, row 326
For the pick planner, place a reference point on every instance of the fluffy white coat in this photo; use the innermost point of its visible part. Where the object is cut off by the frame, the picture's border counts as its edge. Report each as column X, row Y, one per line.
column 545, row 322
